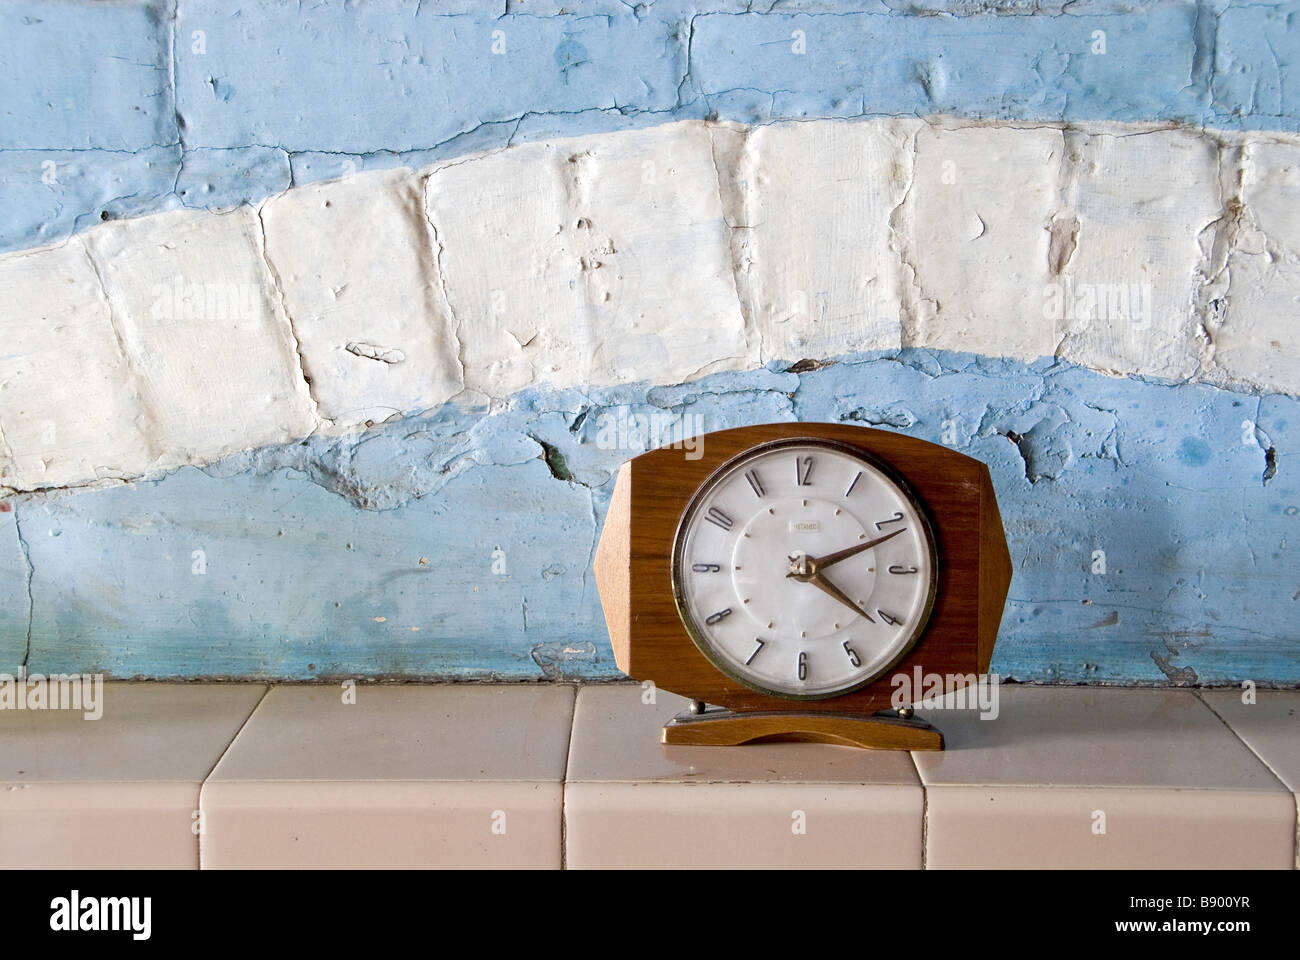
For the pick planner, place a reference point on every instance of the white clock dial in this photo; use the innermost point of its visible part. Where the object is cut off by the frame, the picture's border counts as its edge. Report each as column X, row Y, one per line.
column 804, row 569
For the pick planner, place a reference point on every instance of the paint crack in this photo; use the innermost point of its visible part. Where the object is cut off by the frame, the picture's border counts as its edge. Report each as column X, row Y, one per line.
column 26, row 552
column 441, row 278
column 276, row 285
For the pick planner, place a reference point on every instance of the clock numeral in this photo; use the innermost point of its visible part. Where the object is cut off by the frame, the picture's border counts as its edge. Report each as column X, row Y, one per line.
column 721, row 519
column 760, row 643
column 803, row 470
column 897, row 570
column 891, row 620
column 853, row 655
column 803, row 665
column 705, row 567
column 755, row 483
column 894, row 519
column 718, row 617
column 853, row 484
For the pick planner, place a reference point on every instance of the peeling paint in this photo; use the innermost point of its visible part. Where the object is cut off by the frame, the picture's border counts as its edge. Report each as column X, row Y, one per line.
column 374, row 352
column 555, row 461
column 1178, row 676
column 564, row 660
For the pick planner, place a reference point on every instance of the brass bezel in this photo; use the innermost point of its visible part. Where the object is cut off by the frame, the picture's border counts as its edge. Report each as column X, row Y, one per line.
column 848, row 449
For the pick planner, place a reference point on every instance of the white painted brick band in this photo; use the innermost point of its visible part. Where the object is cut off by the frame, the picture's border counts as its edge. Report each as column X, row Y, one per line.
column 653, row 255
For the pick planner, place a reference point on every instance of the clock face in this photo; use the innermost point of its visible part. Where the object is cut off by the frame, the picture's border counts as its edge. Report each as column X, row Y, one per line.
column 804, row 569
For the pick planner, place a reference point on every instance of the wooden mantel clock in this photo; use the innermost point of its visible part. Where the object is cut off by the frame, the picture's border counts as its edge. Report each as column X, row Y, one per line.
column 784, row 573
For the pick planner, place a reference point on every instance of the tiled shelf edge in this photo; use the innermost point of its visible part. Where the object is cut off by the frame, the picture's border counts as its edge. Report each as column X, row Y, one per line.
column 589, row 764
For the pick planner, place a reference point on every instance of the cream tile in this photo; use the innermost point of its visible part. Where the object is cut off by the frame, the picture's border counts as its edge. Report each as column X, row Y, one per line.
column 148, row 732
column 407, row 776
column 368, row 824
column 1270, row 726
column 633, row 802
column 101, row 825
column 1176, row 788
column 1053, row 828
column 120, row 791
column 742, row 825
column 1092, row 736
column 405, row 732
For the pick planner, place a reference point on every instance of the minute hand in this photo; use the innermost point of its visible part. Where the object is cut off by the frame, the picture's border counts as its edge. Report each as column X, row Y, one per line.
column 833, row 558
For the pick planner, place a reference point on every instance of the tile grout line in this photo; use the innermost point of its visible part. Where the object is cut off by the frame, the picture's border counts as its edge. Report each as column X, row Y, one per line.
column 925, row 827
column 564, row 783
column 925, row 808
column 1253, row 752
column 204, row 782
column 1295, row 797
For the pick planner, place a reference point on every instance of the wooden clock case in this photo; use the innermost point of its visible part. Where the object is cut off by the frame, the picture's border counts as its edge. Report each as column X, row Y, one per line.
column 633, row 573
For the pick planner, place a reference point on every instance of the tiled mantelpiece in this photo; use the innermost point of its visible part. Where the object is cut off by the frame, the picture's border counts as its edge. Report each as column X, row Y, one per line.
column 533, row 775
